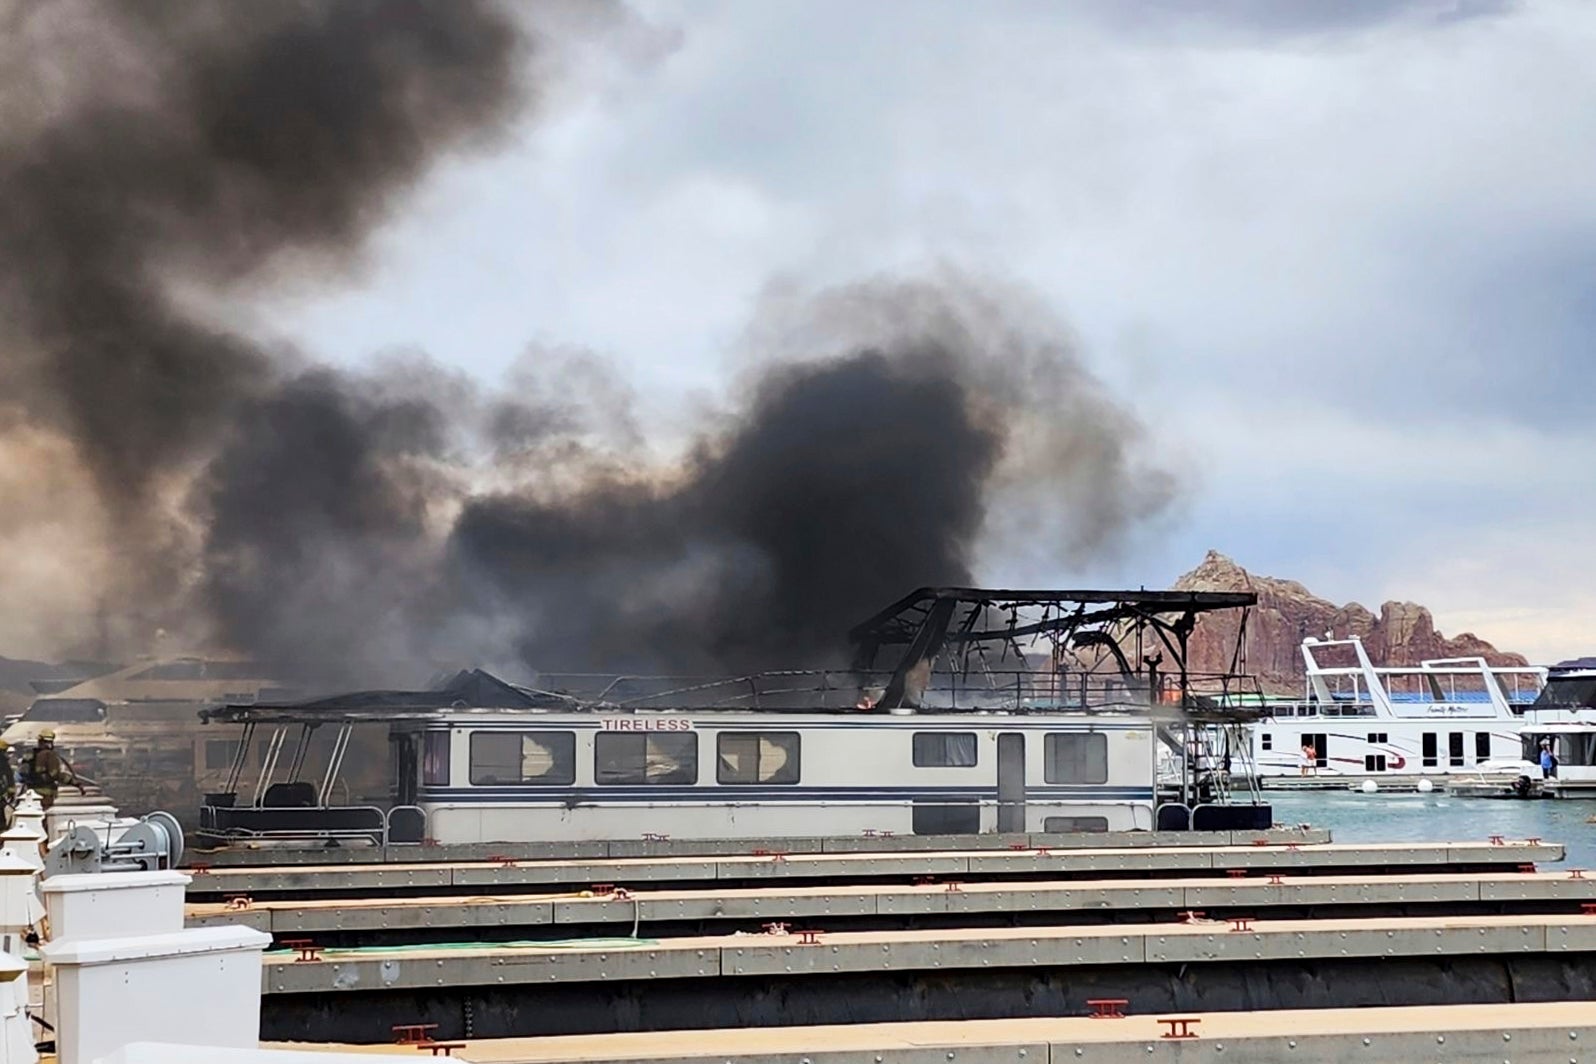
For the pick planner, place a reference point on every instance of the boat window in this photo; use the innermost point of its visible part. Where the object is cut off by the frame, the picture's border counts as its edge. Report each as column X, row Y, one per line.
column 757, row 757
column 1431, row 748
column 1454, row 749
column 1482, row 746
column 1268, row 741
column 503, row 758
column 632, row 757
column 1066, row 824
column 944, row 749
column 66, row 710
column 943, row 816
column 1075, row 757
column 435, row 759
column 1379, row 738
column 1577, row 692
column 1374, row 762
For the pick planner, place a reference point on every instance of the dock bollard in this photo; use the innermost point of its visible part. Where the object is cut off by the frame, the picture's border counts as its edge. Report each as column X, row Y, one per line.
column 308, row 950
column 1107, row 1008
column 441, row 1048
column 409, row 1034
column 1179, row 1026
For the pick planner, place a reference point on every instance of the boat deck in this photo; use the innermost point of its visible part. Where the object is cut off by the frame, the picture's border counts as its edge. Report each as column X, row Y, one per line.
column 1545, row 1033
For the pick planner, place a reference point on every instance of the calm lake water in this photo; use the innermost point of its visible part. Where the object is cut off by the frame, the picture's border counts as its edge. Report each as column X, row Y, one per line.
column 1437, row 818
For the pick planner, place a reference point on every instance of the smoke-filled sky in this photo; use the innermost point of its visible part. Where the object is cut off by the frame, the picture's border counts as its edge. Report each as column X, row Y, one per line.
column 683, row 335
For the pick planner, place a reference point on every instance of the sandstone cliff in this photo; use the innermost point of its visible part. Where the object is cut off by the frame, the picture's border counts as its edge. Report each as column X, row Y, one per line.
column 1403, row 633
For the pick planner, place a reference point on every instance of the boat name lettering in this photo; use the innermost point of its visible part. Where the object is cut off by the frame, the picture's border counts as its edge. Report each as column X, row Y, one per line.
column 646, row 724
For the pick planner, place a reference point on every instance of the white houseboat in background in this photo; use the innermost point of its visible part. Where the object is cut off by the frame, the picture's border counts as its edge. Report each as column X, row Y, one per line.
column 1361, row 722
column 1564, row 718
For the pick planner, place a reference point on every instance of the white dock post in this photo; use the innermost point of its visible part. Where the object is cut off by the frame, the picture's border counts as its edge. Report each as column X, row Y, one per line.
column 127, row 971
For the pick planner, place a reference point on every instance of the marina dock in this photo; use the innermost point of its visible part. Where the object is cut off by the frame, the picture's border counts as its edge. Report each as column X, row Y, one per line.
column 510, row 875
column 882, row 906
column 660, row 846
column 1535, row 1033
column 813, row 976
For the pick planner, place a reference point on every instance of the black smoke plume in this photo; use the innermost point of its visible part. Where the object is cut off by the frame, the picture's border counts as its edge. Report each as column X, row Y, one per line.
column 365, row 527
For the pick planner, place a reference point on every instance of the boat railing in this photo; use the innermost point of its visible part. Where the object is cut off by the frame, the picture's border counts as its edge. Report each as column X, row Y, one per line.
column 989, row 690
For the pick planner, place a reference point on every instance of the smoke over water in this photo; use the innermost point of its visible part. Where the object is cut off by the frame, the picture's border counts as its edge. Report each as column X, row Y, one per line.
column 366, row 526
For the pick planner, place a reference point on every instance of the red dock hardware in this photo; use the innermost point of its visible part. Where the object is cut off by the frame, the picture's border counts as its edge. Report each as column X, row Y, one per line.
column 602, row 890
column 308, row 950
column 503, row 860
column 1527, row 869
column 1236, row 873
column 654, row 836
column 1276, row 879
column 778, row 858
column 1293, row 847
column 1190, row 916
column 869, row 833
column 777, row 928
column 1179, row 1026
column 775, row 855
column 1587, row 908
column 1534, row 840
column 1576, row 873
column 886, row 834
column 441, row 1048
column 1043, row 851
column 1260, row 842
column 808, row 938
column 239, row 902
column 429, row 841
column 954, row 887
column 925, row 881
column 621, row 894
column 1496, row 840
column 199, row 868
column 1019, row 846
column 409, row 1034
column 1107, row 1008
column 1241, row 923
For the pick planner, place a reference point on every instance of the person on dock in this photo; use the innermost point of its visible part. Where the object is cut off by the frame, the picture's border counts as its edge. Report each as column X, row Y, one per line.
column 47, row 771
column 1548, row 761
column 1310, row 759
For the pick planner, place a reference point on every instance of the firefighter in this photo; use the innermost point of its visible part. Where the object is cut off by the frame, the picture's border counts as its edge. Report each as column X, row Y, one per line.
column 8, row 782
column 47, row 771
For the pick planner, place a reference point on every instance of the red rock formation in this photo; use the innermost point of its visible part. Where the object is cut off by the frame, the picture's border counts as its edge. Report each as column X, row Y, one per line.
column 1403, row 633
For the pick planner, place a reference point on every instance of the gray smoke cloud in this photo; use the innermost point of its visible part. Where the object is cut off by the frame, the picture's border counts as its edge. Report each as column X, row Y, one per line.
column 362, row 527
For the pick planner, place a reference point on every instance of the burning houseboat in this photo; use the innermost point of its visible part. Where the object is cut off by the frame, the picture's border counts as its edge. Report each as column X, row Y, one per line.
column 963, row 711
